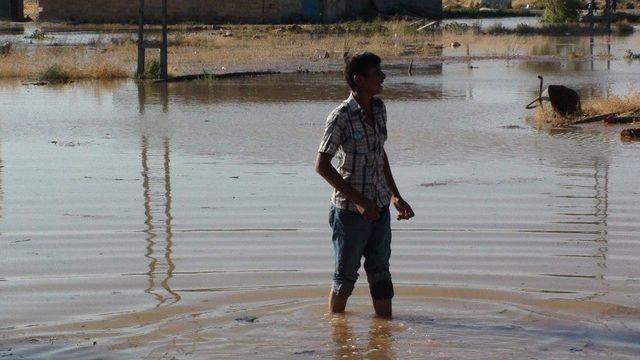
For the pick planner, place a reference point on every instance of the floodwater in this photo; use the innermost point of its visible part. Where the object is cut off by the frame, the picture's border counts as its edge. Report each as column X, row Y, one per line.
column 186, row 221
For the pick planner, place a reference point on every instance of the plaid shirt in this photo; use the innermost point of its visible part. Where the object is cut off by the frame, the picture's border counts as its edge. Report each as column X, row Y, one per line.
column 359, row 148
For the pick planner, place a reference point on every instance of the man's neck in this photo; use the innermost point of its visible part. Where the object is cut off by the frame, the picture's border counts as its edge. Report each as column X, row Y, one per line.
column 363, row 99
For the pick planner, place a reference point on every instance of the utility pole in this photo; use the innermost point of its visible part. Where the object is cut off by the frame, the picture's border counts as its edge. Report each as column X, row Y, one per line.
column 144, row 45
column 607, row 14
column 165, row 41
column 592, row 7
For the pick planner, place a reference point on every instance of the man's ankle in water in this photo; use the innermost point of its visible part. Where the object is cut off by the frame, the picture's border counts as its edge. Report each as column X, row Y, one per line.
column 337, row 303
column 383, row 308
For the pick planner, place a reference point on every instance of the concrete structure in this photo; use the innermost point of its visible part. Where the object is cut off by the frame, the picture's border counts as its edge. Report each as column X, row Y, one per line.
column 236, row 11
column 423, row 8
column 497, row 4
column 12, row 10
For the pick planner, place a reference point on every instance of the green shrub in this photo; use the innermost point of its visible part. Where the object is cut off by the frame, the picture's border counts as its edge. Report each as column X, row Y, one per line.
column 54, row 74
column 151, row 70
column 623, row 28
column 37, row 35
column 561, row 11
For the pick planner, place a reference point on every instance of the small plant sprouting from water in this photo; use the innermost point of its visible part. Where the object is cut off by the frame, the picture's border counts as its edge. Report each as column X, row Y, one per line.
column 457, row 27
column 496, row 29
column 54, row 74
column 5, row 49
column 208, row 77
column 151, row 70
column 37, row 35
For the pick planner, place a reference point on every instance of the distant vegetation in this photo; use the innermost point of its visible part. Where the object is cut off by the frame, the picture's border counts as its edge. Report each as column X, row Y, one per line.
column 54, row 74
column 621, row 28
column 476, row 4
column 476, row 13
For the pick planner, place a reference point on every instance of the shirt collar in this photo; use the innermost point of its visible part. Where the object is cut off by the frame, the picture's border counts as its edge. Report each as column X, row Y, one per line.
column 355, row 108
column 353, row 105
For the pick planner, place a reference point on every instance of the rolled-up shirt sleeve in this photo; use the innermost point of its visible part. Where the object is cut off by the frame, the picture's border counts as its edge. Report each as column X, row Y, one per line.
column 333, row 135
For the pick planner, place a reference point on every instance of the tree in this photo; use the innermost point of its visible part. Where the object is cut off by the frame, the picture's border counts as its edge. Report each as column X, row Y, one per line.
column 561, row 11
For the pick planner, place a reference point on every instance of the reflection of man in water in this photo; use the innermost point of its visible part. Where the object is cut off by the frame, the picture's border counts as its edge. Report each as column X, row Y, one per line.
column 379, row 345
column 364, row 186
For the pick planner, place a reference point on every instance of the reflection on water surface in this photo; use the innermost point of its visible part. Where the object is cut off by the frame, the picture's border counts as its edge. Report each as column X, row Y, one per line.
column 181, row 208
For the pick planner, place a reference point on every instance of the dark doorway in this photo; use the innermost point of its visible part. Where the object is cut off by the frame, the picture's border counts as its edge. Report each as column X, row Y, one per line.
column 17, row 10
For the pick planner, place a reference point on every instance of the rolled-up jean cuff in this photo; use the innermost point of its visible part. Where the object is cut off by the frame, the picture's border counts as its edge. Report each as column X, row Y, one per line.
column 343, row 287
column 382, row 275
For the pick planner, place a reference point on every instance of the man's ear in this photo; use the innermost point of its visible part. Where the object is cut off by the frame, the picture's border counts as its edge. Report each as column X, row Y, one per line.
column 357, row 79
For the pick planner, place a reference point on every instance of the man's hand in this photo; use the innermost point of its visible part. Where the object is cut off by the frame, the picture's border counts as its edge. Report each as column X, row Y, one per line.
column 369, row 209
column 404, row 210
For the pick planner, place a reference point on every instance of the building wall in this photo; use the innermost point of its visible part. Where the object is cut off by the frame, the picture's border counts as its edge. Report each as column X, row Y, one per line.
column 334, row 9
column 126, row 11
column 221, row 11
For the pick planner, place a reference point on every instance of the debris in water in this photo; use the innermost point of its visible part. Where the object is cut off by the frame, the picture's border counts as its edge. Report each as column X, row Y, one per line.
column 566, row 109
column 65, row 143
column 249, row 319
column 564, row 101
column 304, row 352
column 36, row 83
column 435, row 183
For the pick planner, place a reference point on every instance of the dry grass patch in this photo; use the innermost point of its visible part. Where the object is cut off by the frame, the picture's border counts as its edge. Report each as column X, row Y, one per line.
column 628, row 104
column 618, row 104
column 74, row 63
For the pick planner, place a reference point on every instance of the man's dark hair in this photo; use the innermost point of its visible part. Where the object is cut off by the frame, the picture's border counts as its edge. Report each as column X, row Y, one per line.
column 359, row 64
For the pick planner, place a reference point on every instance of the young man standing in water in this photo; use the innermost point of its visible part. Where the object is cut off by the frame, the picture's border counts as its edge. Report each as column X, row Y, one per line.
column 363, row 186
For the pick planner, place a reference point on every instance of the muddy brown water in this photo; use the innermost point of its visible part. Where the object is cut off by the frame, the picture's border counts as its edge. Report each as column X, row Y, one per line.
column 186, row 221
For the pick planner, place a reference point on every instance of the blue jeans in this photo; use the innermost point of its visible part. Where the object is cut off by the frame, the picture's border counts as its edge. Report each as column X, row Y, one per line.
column 354, row 237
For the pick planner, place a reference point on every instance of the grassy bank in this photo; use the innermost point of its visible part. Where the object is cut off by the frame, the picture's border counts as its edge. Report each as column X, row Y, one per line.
column 282, row 48
column 476, row 13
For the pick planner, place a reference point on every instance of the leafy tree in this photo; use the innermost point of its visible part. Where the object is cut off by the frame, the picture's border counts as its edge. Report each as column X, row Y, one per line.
column 561, row 11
